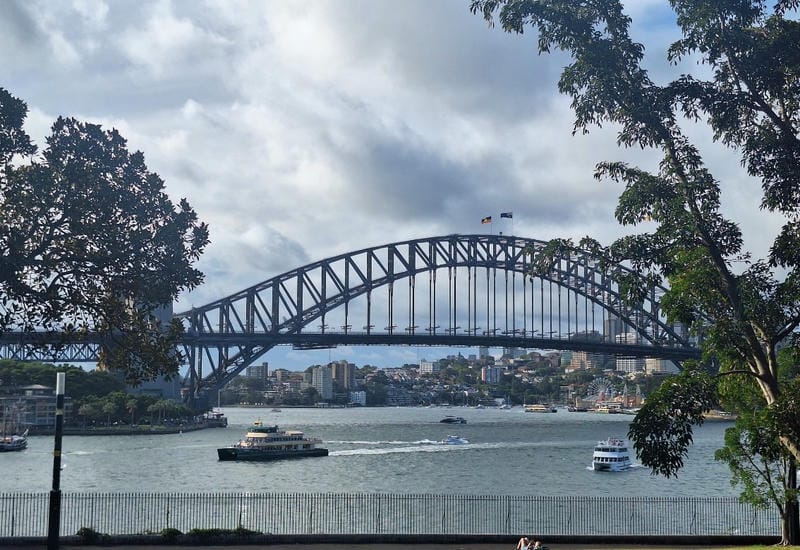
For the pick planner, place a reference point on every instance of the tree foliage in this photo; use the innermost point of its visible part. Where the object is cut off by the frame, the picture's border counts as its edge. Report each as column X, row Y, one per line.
column 742, row 307
column 91, row 243
column 663, row 427
column 79, row 383
column 760, row 465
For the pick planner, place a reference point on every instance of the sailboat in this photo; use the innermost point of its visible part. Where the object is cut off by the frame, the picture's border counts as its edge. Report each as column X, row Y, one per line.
column 12, row 441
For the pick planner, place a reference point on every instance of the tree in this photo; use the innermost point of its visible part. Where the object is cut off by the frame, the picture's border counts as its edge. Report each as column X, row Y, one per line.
column 130, row 406
column 87, row 411
column 90, row 242
column 742, row 307
column 760, row 465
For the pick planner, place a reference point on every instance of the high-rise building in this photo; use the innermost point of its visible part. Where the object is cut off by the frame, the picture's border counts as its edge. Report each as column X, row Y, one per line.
column 258, row 371
column 654, row 365
column 343, row 374
column 491, row 375
column 612, row 326
column 322, row 380
column 627, row 363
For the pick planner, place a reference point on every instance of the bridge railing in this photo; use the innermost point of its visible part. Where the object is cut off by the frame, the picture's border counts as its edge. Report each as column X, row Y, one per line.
column 26, row 514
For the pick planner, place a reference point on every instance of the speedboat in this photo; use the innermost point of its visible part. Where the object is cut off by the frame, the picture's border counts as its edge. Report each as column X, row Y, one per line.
column 611, row 455
column 449, row 419
column 270, row 443
column 454, row 440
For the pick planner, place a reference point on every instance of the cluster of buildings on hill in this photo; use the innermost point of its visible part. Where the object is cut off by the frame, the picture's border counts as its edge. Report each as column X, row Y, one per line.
column 342, row 382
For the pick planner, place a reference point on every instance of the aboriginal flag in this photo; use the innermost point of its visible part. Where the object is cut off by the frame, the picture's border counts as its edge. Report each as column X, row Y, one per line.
column 487, row 219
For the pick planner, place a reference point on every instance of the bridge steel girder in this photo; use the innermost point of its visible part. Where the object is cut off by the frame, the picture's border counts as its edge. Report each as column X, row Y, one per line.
column 225, row 336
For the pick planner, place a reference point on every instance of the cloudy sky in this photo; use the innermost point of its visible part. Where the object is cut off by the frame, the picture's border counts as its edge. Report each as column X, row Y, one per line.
column 302, row 129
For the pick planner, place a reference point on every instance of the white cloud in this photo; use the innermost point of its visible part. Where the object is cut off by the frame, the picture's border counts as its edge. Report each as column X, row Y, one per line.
column 304, row 129
column 163, row 42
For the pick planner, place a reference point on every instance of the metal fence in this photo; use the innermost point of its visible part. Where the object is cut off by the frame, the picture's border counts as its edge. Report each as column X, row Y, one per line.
column 26, row 514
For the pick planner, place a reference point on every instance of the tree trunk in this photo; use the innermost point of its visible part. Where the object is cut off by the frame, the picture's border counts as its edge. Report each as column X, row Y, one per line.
column 790, row 521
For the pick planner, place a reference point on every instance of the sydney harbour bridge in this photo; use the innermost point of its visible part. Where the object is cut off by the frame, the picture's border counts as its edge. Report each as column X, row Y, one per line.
column 453, row 290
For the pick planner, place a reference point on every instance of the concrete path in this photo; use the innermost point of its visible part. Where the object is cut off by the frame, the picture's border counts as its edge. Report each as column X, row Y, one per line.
column 381, row 546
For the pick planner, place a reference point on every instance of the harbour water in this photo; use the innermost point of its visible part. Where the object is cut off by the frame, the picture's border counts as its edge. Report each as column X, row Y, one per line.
column 374, row 450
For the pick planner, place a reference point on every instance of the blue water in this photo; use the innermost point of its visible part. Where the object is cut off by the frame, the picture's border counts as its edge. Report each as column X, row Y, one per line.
column 391, row 450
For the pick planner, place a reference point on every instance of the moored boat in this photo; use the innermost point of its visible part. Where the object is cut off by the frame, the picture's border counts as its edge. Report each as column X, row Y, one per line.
column 606, row 409
column 449, row 419
column 539, row 408
column 611, row 455
column 270, row 443
column 215, row 419
column 10, row 426
column 13, row 442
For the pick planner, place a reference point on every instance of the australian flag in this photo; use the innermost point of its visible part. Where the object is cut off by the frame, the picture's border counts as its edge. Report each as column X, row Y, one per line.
column 506, row 214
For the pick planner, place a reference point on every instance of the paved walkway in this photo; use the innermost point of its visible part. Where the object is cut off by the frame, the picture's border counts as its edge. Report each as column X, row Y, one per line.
column 369, row 546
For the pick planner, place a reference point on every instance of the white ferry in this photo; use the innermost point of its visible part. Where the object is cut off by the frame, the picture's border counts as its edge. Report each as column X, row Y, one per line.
column 611, row 455
column 270, row 443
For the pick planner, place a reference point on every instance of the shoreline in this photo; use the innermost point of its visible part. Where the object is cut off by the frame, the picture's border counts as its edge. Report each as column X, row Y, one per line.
column 127, row 430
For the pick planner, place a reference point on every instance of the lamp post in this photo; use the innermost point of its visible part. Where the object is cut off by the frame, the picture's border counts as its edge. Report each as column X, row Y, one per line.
column 54, row 522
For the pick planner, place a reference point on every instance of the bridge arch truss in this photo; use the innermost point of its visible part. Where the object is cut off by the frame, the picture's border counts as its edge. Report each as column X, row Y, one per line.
column 454, row 290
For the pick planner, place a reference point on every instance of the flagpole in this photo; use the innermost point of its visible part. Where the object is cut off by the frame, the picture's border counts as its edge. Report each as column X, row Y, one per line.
column 485, row 220
column 510, row 216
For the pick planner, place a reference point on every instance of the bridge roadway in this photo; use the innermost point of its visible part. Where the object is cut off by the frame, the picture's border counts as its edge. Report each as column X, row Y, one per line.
column 86, row 345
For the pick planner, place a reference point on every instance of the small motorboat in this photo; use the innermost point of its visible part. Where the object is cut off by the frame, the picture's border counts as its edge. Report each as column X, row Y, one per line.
column 454, row 440
column 449, row 419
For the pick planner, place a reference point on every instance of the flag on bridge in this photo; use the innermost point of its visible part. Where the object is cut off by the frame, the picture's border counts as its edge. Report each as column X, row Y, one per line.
column 487, row 219
column 506, row 214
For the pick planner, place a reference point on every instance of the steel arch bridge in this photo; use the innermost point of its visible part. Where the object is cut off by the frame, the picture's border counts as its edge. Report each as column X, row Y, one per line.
column 453, row 290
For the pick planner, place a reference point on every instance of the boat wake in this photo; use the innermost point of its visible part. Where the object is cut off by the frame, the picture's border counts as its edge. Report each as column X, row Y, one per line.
column 426, row 446
column 420, row 442
column 435, row 447
column 628, row 469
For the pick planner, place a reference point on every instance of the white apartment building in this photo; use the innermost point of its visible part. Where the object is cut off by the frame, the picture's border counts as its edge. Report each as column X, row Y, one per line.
column 428, row 367
column 322, row 380
column 358, row 398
